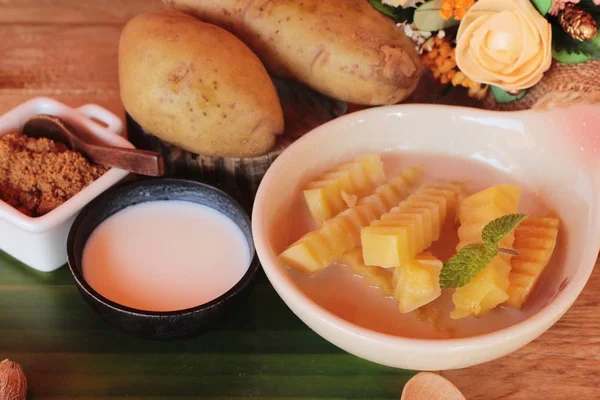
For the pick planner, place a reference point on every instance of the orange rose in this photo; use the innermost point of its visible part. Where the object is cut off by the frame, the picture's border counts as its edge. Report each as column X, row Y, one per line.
column 505, row 43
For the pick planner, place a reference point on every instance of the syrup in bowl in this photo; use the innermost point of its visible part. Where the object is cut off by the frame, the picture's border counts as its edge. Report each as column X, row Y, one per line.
column 339, row 290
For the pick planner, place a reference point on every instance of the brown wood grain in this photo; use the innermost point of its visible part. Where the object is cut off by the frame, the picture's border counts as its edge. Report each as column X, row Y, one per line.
column 59, row 59
column 83, row 12
column 67, row 49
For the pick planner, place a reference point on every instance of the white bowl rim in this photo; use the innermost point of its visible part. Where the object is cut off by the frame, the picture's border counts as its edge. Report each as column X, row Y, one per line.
column 551, row 312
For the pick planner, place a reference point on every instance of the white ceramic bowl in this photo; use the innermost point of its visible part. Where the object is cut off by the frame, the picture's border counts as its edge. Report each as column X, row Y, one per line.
column 557, row 152
column 41, row 242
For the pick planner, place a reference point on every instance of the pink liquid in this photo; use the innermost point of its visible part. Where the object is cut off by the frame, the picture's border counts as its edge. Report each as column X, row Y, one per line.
column 165, row 256
column 337, row 290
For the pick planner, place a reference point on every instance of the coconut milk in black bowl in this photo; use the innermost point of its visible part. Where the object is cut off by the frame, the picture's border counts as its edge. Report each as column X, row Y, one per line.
column 163, row 258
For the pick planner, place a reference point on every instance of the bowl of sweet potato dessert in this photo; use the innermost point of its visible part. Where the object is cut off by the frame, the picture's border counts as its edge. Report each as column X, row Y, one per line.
column 433, row 237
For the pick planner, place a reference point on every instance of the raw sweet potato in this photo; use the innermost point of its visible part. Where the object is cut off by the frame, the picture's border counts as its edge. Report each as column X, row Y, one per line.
column 197, row 86
column 344, row 49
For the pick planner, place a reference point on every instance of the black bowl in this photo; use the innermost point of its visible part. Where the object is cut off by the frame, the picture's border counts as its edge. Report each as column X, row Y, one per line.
column 147, row 324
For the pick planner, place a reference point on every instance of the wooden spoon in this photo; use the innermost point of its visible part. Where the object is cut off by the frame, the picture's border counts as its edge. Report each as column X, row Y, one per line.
column 430, row 386
column 137, row 161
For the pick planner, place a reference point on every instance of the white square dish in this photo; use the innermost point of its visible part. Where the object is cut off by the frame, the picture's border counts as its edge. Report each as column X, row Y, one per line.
column 41, row 242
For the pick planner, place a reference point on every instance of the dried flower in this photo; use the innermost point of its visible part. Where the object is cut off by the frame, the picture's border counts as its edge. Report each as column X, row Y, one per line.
column 418, row 37
column 455, row 8
column 447, row 9
column 577, row 23
column 438, row 55
column 559, row 5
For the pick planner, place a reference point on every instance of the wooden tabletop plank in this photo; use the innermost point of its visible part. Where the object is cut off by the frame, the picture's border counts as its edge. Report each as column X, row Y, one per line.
column 82, row 12
column 55, row 59
column 74, row 64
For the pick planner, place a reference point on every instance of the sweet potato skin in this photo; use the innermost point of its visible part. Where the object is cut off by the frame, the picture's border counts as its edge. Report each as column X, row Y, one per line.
column 197, row 86
column 344, row 49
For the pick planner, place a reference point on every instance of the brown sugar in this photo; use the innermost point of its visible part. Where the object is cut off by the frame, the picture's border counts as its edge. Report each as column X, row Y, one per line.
column 37, row 174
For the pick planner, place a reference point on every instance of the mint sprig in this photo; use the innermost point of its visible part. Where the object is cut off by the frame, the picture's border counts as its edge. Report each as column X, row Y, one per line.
column 500, row 227
column 463, row 266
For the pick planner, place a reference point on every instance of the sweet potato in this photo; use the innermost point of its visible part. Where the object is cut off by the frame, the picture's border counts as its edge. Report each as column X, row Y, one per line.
column 197, row 86
column 344, row 49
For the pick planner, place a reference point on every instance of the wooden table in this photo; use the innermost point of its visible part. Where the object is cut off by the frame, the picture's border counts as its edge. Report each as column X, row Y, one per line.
column 67, row 49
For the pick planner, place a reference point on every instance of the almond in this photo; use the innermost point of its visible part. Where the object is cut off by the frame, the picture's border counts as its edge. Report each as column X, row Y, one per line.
column 13, row 384
column 430, row 386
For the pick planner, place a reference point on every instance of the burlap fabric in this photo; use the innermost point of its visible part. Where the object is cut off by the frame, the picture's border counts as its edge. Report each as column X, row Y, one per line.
column 562, row 85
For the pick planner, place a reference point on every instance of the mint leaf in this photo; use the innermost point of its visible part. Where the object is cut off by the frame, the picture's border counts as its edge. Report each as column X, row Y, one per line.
column 500, row 227
column 465, row 264
column 462, row 267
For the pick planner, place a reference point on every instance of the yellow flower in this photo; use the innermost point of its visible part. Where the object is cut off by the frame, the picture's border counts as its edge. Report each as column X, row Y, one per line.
column 455, row 8
column 447, row 9
column 506, row 43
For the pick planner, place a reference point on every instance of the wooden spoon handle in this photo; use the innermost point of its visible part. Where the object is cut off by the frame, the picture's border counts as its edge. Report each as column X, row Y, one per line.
column 140, row 162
